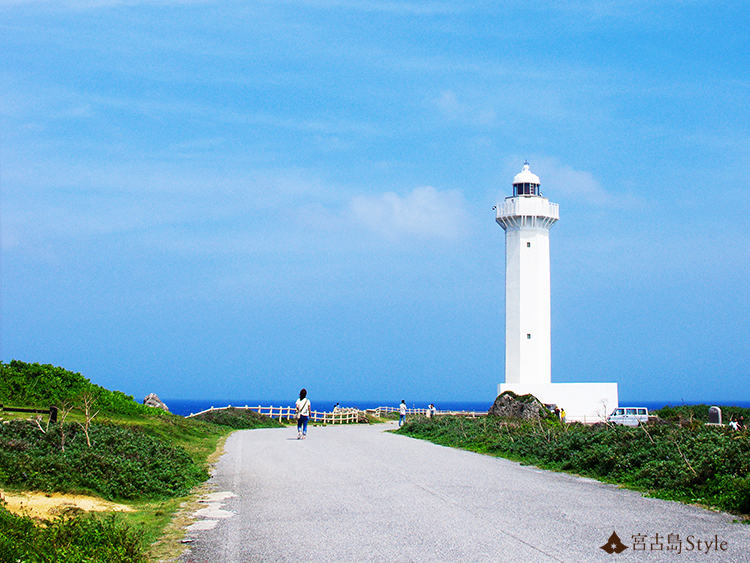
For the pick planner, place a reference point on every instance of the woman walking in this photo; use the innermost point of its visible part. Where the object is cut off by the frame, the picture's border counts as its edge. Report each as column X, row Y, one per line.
column 303, row 414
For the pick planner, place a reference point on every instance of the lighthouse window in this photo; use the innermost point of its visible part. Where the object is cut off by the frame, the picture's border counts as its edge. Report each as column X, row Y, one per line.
column 525, row 189
column 528, row 337
column 528, row 245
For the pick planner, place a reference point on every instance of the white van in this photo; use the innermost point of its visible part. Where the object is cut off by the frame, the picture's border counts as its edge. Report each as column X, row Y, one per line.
column 629, row 416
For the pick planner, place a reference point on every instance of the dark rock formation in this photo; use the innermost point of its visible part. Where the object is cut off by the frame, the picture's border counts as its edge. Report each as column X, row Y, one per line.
column 511, row 405
column 152, row 400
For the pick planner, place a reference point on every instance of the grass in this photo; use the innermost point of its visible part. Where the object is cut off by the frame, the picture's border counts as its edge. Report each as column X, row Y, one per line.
column 122, row 462
column 73, row 538
column 196, row 437
column 150, row 462
column 687, row 413
column 238, row 418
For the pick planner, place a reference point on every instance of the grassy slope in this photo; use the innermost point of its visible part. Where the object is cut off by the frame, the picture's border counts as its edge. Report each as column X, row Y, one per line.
column 146, row 456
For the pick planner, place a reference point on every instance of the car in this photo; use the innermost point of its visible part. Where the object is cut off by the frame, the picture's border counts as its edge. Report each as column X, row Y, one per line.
column 629, row 416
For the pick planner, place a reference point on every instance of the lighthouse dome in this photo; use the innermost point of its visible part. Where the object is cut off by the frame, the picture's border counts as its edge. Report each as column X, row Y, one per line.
column 526, row 182
column 525, row 176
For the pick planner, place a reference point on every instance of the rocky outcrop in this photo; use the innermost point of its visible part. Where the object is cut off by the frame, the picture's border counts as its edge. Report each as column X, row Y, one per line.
column 510, row 405
column 152, row 400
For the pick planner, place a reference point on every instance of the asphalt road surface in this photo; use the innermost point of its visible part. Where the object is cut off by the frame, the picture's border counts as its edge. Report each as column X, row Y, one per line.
column 359, row 494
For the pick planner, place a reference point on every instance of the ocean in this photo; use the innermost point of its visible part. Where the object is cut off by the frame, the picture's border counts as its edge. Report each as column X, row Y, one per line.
column 186, row 407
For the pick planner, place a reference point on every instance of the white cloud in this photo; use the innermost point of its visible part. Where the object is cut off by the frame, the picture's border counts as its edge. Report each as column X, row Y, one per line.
column 396, row 7
column 56, row 201
column 425, row 213
column 456, row 110
column 580, row 185
column 84, row 4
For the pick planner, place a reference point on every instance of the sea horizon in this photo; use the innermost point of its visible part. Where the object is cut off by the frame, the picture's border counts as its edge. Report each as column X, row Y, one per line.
column 186, row 407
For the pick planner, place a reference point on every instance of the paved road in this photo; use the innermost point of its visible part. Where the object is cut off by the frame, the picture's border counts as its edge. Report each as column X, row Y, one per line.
column 359, row 494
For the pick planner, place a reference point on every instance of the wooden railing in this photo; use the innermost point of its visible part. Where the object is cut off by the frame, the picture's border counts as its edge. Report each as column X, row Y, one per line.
column 52, row 411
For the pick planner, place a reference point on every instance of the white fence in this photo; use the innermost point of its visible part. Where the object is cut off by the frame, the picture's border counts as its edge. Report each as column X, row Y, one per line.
column 340, row 416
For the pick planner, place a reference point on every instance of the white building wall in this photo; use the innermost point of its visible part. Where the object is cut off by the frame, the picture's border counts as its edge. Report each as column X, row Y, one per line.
column 527, row 303
column 583, row 402
column 528, row 351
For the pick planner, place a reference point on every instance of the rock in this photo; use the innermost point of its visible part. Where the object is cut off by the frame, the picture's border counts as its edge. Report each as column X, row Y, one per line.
column 511, row 405
column 152, row 400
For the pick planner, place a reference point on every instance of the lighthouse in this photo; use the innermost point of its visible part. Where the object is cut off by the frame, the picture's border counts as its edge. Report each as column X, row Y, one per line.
column 527, row 216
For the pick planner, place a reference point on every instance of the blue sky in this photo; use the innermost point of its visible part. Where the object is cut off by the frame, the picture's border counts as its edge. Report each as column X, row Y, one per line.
column 237, row 199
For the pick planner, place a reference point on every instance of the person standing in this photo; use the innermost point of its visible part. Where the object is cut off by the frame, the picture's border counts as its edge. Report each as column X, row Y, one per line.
column 303, row 414
column 401, row 412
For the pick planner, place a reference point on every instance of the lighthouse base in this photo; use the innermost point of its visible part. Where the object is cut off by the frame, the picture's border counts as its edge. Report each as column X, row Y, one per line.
column 583, row 402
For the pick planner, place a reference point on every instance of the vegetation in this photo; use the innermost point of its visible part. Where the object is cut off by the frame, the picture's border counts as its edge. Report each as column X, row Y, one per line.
column 104, row 444
column 384, row 417
column 692, row 463
column 238, row 418
column 72, row 538
column 121, row 463
column 43, row 386
column 689, row 413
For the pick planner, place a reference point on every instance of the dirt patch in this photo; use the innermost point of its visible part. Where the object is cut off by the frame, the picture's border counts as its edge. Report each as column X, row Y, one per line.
column 49, row 505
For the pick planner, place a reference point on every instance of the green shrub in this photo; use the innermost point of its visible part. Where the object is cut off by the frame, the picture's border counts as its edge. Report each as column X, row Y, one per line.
column 238, row 418
column 42, row 385
column 699, row 412
column 72, row 538
column 122, row 462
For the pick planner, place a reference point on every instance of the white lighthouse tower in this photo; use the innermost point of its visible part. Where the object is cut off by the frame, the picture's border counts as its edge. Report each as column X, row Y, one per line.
column 527, row 217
